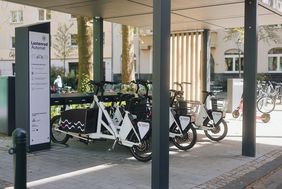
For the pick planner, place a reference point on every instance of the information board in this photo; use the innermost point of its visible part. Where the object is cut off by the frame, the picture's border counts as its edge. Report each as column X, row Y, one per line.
column 39, row 87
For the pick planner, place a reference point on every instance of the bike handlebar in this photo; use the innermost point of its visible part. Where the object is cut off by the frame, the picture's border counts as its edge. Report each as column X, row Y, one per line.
column 181, row 84
column 144, row 83
column 100, row 85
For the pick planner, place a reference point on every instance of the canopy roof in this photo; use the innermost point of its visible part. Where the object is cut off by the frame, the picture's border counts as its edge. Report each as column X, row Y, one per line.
column 186, row 14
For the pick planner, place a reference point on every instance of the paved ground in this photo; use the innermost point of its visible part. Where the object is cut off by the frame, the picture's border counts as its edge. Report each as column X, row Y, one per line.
column 271, row 181
column 208, row 165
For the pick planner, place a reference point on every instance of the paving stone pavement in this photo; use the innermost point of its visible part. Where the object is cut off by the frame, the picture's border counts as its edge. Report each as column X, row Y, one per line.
column 268, row 181
column 207, row 165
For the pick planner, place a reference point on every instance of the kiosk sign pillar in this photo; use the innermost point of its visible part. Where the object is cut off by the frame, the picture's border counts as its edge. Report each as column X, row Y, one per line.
column 33, row 84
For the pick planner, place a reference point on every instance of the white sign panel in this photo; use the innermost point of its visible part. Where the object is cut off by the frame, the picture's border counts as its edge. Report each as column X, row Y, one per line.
column 39, row 88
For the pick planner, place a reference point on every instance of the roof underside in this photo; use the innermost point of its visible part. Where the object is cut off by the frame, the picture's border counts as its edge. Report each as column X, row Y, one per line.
column 185, row 14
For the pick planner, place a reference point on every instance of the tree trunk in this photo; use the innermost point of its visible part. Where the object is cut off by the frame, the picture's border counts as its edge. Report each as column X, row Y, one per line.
column 84, row 42
column 128, row 73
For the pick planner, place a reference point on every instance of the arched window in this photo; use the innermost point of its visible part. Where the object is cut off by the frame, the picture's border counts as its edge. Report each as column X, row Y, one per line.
column 232, row 60
column 275, row 60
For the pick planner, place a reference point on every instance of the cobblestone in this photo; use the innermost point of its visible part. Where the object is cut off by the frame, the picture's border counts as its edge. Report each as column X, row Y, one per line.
column 240, row 171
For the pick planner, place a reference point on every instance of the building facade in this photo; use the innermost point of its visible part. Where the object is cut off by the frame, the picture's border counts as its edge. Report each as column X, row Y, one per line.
column 226, row 56
column 15, row 15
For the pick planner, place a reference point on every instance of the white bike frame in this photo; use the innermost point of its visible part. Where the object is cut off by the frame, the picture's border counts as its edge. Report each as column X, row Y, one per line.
column 201, row 115
column 117, row 133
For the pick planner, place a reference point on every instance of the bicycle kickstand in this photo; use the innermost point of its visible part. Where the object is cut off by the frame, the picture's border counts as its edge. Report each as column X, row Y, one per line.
column 113, row 146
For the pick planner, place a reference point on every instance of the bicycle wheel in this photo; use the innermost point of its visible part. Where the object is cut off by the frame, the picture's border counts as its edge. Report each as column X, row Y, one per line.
column 265, row 117
column 218, row 132
column 57, row 136
column 143, row 151
column 187, row 141
column 265, row 104
column 235, row 113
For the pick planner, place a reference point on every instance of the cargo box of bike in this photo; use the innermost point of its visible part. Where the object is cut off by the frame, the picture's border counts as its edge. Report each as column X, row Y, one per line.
column 79, row 120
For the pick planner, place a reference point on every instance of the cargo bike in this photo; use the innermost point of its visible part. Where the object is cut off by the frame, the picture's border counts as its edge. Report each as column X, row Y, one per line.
column 96, row 123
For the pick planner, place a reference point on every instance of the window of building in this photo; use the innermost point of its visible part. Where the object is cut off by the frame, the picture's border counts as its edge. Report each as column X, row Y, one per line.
column 13, row 42
column 44, row 14
column 233, row 60
column 135, row 62
column 73, row 39
column 275, row 60
column 73, row 68
column 14, row 68
column 16, row 16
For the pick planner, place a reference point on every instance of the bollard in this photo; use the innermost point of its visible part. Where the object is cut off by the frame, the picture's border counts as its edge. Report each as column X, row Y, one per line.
column 19, row 153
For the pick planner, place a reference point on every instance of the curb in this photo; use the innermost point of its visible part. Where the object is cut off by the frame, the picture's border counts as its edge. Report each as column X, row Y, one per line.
column 245, row 174
column 255, row 175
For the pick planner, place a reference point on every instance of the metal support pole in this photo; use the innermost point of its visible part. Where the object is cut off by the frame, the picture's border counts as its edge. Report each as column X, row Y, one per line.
column 98, row 40
column 250, row 71
column 160, row 128
column 19, row 152
column 205, row 66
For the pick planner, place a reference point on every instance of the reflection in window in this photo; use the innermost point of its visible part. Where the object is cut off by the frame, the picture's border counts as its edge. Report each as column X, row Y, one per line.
column 237, row 63
column 44, row 14
column 14, row 68
column 73, row 39
column 229, row 64
column 280, row 64
column 232, row 60
column 13, row 42
column 275, row 60
column 73, row 69
column 272, row 63
column 16, row 16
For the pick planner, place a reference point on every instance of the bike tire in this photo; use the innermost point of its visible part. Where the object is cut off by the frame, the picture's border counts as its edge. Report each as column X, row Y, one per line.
column 57, row 136
column 180, row 142
column 265, row 104
column 141, row 152
column 217, row 129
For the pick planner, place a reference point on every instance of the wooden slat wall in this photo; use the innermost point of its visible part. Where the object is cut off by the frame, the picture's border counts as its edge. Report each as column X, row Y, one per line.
column 185, row 62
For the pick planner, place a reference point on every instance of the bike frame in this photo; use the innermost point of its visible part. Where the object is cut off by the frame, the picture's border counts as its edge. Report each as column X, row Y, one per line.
column 117, row 133
column 184, row 122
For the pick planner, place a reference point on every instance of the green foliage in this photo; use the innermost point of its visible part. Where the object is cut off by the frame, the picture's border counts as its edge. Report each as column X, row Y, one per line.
column 71, row 81
column 265, row 33
column 56, row 110
column 262, row 77
column 234, row 34
column 85, row 87
column 130, row 88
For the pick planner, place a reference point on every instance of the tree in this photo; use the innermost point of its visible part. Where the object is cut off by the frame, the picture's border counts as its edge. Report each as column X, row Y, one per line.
column 265, row 33
column 84, row 42
column 128, row 73
column 62, row 43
